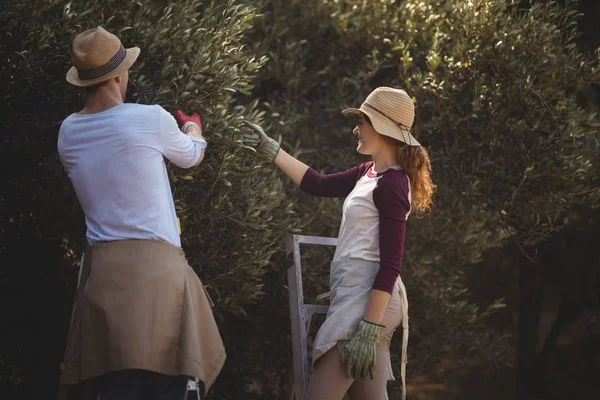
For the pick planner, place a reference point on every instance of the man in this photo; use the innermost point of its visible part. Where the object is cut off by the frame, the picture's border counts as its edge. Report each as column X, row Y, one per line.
column 142, row 323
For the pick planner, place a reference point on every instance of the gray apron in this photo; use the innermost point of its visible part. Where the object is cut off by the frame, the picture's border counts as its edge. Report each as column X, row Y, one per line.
column 351, row 281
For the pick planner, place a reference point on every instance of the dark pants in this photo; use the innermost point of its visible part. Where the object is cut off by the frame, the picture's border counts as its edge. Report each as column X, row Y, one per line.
column 135, row 384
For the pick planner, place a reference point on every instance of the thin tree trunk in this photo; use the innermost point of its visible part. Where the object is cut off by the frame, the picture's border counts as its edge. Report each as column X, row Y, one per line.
column 531, row 295
column 564, row 318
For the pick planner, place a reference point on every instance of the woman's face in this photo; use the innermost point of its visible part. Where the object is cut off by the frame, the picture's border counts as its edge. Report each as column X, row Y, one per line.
column 369, row 141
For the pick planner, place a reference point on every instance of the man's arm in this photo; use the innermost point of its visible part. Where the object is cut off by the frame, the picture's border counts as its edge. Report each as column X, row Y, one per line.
column 185, row 150
column 195, row 131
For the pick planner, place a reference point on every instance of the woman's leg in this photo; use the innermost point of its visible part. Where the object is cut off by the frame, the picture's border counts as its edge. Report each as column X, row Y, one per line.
column 375, row 389
column 328, row 381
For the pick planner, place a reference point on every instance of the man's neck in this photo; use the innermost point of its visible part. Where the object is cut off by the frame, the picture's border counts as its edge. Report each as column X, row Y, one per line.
column 102, row 101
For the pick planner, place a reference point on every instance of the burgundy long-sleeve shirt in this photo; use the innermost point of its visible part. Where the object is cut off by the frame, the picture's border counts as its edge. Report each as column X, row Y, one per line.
column 374, row 215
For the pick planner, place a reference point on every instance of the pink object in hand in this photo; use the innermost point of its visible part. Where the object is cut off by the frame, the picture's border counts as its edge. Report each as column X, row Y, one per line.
column 184, row 119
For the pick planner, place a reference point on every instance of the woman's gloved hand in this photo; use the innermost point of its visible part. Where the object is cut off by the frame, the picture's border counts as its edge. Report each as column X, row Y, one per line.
column 359, row 354
column 266, row 147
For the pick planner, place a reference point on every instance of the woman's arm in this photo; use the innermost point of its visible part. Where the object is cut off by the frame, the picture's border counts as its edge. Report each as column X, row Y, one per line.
column 292, row 167
column 391, row 199
column 311, row 182
column 315, row 184
column 378, row 302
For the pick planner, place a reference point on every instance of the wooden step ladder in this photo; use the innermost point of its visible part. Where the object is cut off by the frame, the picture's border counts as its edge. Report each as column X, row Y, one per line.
column 301, row 314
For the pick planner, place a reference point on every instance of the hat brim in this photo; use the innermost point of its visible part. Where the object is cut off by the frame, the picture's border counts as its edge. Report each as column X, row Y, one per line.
column 130, row 57
column 352, row 111
column 385, row 127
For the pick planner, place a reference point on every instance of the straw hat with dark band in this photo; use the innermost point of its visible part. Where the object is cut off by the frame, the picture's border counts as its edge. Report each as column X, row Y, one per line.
column 392, row 113
column 97, row 56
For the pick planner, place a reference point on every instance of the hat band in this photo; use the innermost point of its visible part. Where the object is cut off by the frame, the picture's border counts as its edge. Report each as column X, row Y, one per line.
column 398, row 124
column 93, row 73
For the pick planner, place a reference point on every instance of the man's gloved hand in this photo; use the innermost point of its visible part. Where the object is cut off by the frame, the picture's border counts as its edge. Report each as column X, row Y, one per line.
column 188, row 122
column 359, row 354
column 266, row 147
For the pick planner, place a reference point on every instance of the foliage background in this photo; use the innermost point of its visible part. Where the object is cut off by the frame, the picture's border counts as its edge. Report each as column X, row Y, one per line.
column 505, row 93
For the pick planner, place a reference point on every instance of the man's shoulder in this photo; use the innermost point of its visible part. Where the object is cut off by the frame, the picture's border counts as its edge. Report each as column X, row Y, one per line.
column 66, row 126
column 127, row 109
column 146, row 114
column 143, row 108
column 152, row 111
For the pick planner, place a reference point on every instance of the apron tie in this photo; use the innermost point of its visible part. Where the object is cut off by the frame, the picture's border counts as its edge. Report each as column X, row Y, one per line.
column 404, row 301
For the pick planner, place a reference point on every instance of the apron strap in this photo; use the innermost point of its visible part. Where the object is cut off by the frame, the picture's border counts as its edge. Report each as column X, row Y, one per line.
column 404, row 301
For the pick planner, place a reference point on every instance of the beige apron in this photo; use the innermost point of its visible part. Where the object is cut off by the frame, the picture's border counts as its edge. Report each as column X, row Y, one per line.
column 141, row 306
column 351, row 281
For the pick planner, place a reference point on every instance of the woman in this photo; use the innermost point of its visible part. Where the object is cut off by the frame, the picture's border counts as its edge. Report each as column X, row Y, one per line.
column 368, row 298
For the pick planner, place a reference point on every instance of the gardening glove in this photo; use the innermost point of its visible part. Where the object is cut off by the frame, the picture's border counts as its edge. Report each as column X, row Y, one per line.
column 266, row 147
column 185, row 121
column 359, row 354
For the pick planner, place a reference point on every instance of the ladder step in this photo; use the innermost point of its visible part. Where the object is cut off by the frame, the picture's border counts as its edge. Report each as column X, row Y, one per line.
column 310, row 309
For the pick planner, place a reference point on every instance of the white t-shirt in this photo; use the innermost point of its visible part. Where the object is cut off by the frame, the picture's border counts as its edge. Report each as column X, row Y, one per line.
column 359, row 234
column 115, row 160
column 374, row 216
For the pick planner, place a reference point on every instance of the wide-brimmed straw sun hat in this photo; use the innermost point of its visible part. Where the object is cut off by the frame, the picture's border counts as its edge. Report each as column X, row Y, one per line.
column 392, row 113
column 97, row 56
